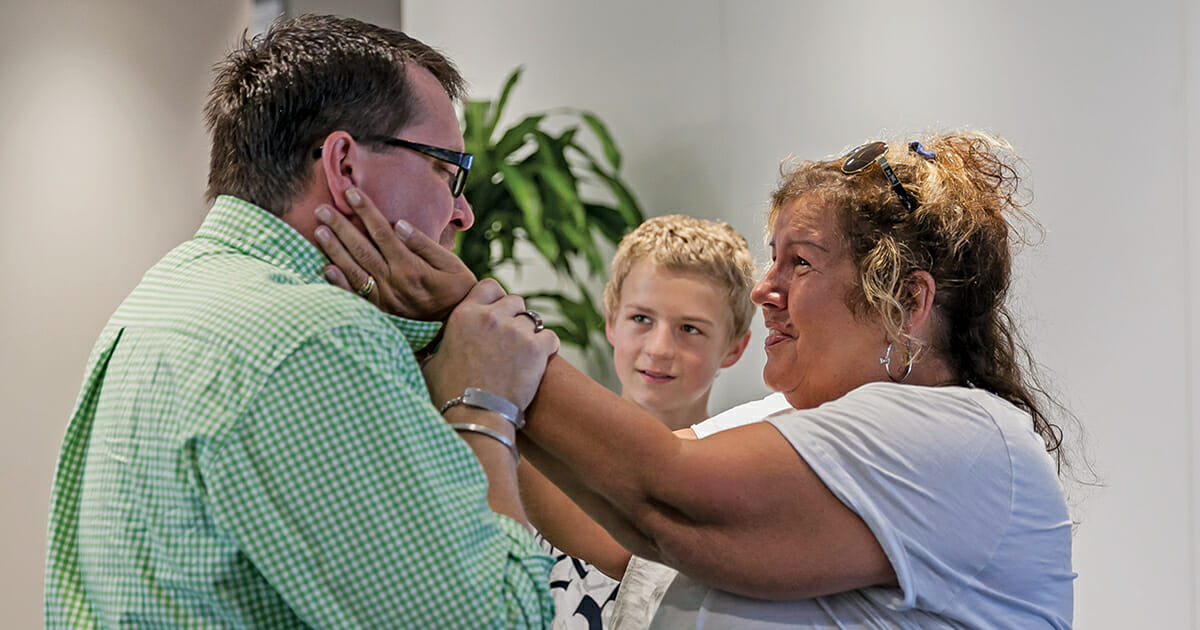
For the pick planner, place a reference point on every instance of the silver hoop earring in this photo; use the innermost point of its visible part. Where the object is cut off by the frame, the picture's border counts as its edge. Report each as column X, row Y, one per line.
column 886, row 362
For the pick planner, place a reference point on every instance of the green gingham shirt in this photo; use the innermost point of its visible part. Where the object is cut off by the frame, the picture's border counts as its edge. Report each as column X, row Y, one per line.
column 255, row 448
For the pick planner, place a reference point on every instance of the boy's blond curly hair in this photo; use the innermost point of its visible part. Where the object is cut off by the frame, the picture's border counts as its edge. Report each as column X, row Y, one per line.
column 712, row 250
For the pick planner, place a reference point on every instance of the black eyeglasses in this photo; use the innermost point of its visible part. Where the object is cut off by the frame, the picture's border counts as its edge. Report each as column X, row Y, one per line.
column 872, row 153
column 461, row 160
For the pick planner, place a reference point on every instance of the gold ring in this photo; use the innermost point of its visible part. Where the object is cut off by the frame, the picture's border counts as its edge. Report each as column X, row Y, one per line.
column 367, row 287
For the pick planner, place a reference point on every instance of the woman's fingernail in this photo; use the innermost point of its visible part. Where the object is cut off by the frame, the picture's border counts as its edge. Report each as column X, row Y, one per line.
column 322, row 213
column 403, row 228
column 353, row 196
column 323, row 234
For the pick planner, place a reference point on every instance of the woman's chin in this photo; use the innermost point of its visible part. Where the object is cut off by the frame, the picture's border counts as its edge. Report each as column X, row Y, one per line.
column 774, row 379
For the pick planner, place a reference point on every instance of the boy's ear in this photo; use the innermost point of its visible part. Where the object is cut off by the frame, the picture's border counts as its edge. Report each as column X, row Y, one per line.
column 735, row 351
column 608, row 331
column 341, row 163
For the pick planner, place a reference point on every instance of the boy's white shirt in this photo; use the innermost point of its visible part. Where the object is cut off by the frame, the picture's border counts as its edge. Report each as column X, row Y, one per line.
column 746, row 413
column 646, row 582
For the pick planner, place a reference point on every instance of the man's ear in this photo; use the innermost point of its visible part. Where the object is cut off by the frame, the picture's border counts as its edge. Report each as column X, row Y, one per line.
column 341, row 163
column 921, row 290
column 735, row 351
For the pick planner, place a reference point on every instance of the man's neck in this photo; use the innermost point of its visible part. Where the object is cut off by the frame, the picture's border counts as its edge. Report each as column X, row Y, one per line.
column 300, row 215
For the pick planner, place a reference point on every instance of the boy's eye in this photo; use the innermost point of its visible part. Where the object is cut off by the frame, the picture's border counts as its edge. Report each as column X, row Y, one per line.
column 691, row 330
column 641, row 319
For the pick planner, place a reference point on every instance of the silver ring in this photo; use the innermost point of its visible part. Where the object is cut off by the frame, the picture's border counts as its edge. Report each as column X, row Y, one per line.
column 367, row 287
column 538, row 326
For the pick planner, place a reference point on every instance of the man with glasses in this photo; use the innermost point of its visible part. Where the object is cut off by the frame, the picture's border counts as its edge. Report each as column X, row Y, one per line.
column 256, row 447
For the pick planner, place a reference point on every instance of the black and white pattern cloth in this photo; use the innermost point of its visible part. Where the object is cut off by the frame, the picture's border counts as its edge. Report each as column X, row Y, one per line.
column 583, row 596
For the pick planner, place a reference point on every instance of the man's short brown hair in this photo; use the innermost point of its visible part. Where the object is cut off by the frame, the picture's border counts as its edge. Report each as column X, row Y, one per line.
column 276, row 98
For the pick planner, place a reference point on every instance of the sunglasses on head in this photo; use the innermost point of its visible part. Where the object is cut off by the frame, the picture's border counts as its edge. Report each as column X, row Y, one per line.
column 870, row 153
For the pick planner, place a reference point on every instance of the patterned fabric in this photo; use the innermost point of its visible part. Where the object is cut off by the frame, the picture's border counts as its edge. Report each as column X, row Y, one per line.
column 642, row 589
column 583, row 596
column 254, row 447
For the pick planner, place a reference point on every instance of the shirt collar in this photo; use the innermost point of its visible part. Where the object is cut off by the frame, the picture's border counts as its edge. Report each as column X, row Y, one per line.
column 254, row 231
column 258, row 233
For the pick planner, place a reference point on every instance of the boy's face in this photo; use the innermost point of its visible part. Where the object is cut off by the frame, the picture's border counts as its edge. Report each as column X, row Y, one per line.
column 670, row 334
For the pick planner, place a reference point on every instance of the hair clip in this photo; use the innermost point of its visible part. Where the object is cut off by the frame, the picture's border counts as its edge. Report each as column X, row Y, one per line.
column 916, row 147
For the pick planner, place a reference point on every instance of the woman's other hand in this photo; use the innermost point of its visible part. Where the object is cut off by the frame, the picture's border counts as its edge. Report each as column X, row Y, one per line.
column 491, row 345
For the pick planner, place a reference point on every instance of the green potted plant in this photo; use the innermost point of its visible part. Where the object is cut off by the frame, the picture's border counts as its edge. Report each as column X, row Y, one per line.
column 531, row 185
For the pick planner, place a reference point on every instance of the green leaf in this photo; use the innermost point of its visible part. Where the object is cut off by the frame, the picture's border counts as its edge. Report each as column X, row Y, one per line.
column 528, row 199
column 525, row 188
column 577, row 320
column 601, row 131
column 475, row 129
column 566, row 194
column 609, row 222
column 516, row 137
column 511, row 81
column 567, row 138
column 626, row 204
column 583, row 245
column 551, row 151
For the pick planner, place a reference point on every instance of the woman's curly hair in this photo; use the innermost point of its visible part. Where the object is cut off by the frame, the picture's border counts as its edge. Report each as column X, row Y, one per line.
column 962, row 232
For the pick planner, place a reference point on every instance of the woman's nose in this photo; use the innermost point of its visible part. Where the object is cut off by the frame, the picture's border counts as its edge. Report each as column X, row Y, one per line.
column 766, row 292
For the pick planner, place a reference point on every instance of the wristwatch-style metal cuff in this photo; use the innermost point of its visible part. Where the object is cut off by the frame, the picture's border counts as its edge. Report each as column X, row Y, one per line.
column 473, row 397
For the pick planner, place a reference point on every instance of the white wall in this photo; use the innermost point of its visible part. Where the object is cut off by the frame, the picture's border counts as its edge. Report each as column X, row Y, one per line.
column 105, row 156
column 1191, row 103
column 658, row 81
column 102, row 171
column 706, row 96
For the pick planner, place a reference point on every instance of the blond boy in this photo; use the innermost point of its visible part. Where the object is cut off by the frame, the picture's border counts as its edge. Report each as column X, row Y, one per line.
column 677, row 309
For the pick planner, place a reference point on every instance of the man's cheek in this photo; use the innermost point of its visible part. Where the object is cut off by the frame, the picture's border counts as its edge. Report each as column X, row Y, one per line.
column 448, row 237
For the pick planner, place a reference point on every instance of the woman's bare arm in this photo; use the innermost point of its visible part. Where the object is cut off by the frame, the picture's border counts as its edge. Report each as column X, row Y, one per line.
column 566, row 525
column 740, row 510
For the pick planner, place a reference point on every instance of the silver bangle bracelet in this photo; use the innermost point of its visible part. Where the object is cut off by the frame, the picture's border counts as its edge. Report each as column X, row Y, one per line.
column 492, row 433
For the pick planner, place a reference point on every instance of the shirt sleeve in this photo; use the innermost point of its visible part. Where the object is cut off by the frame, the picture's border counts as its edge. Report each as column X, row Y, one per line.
column 356, row 502
column 928, row 473
column 417, row 334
